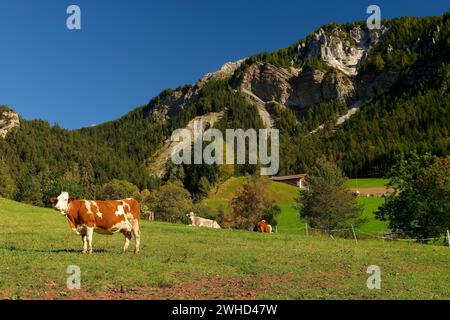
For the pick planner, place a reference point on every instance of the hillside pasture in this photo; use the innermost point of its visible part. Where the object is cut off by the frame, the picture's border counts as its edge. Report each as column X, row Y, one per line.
column 366, row 183
column 284, row 195
column 182, row 262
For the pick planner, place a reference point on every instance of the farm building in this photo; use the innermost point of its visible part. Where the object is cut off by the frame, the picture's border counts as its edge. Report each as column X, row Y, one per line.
column 297, row 180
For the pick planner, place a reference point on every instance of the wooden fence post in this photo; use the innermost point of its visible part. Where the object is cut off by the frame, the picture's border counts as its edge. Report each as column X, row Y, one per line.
column 447, row 237
column 354, row 234
column 306, row 228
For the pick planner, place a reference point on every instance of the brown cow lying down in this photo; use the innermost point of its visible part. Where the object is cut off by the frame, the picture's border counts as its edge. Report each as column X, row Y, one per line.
column 263, row 226
column 104, row 217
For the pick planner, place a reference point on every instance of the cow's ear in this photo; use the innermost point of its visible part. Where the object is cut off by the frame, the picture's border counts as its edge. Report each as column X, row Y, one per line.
column 72, row 198
column 53, row 200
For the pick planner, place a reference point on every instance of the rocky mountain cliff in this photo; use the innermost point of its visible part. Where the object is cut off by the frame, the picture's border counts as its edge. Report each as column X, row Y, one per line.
column 8, row 121
column 337, row 64
column 345, row 50
column 298, row 87
column 341, row 54
column 341, row 51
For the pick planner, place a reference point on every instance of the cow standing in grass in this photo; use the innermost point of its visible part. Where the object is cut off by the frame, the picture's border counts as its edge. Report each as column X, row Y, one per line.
column 103, row 217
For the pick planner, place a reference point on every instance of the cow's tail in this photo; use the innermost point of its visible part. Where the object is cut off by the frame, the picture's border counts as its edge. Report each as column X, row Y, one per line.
column 136, row 209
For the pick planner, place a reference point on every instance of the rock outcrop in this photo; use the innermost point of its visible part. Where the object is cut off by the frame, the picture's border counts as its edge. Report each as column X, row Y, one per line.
column 295, row 88
column 315, row 86
column 342, row 50
column 340, row 80
column 225, row 71
column 173, row 102
column 158, row 162
column 268, row 82
column 8, row 121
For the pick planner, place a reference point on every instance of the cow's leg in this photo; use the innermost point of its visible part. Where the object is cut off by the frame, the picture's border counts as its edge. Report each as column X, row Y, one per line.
column 127, row 235
column 85, row 243
column 89, row 234
column 82, row 233
column 137, row 235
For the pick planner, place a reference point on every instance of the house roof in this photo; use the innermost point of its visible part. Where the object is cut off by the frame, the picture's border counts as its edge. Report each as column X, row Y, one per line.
column 291, row 177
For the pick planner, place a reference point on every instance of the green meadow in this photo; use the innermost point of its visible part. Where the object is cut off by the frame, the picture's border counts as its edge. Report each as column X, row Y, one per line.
column 367, row 183
column 284, row 195
column 182, row 262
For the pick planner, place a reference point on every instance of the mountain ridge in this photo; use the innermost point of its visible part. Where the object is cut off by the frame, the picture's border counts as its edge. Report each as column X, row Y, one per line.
column 305, row 90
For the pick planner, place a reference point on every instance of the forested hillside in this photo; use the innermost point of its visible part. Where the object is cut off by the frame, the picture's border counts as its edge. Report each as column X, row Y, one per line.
column 400, row 87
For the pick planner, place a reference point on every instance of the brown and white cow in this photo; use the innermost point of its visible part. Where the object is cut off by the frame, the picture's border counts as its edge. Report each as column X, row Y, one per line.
column 263, row 226
column 202, row 222
column 103, row 217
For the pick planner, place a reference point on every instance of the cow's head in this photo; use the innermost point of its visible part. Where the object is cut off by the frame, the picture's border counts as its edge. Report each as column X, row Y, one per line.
column 62, row 202
column 191, row 216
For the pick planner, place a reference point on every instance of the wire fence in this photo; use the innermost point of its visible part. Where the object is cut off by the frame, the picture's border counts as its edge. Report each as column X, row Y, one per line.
column 390, row 237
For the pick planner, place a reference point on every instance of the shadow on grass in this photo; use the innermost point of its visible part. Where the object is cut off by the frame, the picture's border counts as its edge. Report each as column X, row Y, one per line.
column 14, row 248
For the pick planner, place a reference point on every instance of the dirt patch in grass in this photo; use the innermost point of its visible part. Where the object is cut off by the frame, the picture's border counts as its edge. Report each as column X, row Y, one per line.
column 242, row 288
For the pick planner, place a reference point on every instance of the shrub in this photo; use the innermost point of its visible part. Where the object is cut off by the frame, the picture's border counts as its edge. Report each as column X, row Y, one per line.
column 420, row 206
column 118, row 189
column 252, row 203
column 171, row 203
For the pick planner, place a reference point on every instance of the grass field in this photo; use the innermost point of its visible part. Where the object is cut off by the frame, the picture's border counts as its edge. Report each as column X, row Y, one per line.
column 371, row 204
column 177, row 261
column 367, row 183
column 284, row 195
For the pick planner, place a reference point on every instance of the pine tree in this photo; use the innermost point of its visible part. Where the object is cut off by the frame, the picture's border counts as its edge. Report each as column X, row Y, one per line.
column 327, row 203
column 7, row 185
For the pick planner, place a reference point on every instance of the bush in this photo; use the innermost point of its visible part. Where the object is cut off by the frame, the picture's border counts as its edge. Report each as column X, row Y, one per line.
column 171, row 203
column 252, row 203
column 118, row 189
column 420, row 207
column 270, row 213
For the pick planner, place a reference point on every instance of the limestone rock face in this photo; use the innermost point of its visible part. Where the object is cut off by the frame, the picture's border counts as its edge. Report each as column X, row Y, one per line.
column 157, row 163
column 174, row 102
column 342, row 50
column 295, row 88
column 226, row 70
column 8, row 121
column 337, row 86
column 268, row 82
column 307, row 89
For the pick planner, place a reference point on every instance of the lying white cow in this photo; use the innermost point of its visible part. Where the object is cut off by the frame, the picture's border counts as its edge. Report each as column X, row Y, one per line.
column 202, row 222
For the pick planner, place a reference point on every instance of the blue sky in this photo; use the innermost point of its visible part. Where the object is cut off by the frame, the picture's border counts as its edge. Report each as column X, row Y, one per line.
column 128, row 51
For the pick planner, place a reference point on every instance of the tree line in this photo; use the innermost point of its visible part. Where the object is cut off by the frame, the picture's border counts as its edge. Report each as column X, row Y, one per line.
column 37, row 159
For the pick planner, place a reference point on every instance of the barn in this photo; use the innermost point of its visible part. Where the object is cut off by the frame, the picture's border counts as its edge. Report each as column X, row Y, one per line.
column 297, row 180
